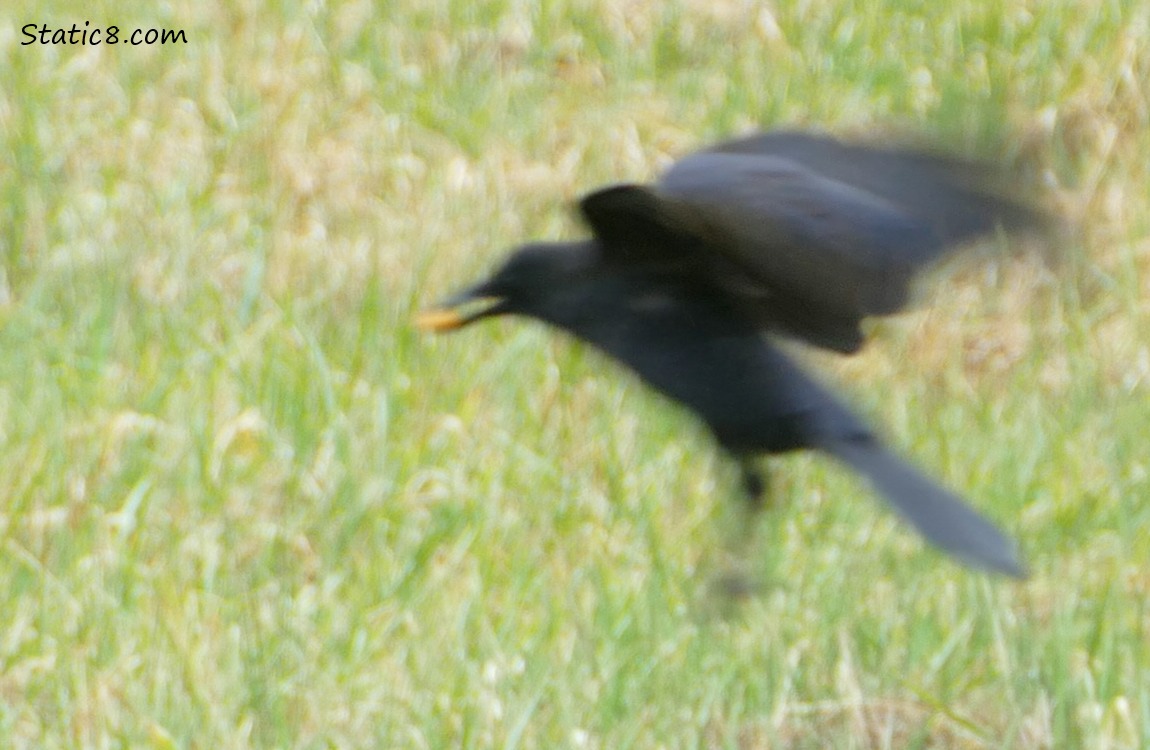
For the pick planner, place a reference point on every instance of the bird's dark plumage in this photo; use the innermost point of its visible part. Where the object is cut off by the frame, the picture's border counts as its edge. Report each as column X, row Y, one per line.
column 778, row 233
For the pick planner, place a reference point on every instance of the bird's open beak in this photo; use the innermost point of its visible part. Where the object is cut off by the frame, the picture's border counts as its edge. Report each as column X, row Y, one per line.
column 459, row 310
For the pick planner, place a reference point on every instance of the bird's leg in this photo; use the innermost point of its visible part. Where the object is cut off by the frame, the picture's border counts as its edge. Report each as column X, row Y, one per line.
column 754, row 480
column 754, row 483
column 738, row 580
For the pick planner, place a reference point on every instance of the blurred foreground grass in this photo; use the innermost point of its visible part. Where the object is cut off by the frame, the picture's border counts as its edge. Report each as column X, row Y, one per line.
column 245, row 506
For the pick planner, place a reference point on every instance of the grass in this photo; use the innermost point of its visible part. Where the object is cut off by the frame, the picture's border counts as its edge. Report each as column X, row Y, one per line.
column 246, row 506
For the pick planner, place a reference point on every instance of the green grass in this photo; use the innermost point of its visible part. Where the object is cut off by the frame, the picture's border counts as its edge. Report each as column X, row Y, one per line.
column 245, row 505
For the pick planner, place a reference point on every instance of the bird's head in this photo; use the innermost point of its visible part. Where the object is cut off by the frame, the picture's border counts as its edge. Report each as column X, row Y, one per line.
column 527, row 277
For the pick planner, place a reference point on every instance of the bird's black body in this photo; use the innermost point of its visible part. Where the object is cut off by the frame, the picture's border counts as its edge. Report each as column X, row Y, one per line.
column 781, row 233
column 695, row 347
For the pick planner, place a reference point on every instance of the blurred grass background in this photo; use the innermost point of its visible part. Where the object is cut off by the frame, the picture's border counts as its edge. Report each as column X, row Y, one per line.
column 244, row 505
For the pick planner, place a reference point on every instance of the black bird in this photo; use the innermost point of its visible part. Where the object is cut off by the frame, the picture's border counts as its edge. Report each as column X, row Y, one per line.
column 784, row 233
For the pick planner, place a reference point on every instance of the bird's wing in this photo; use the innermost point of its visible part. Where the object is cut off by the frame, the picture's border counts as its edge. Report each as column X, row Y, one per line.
column 960, row 198
column 836, row 247
column 637, row 224
column 780, row 242
column 809, row 234
column 800, row 253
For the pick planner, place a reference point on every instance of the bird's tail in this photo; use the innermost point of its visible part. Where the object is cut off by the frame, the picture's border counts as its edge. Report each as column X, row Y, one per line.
column 938, row 514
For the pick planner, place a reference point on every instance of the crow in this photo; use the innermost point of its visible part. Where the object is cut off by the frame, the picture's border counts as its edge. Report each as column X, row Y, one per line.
column 690, row 280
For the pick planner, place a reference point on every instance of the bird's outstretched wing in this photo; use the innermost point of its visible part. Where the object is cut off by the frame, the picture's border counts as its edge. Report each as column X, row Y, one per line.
column 960, row 198
column 809, row 234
